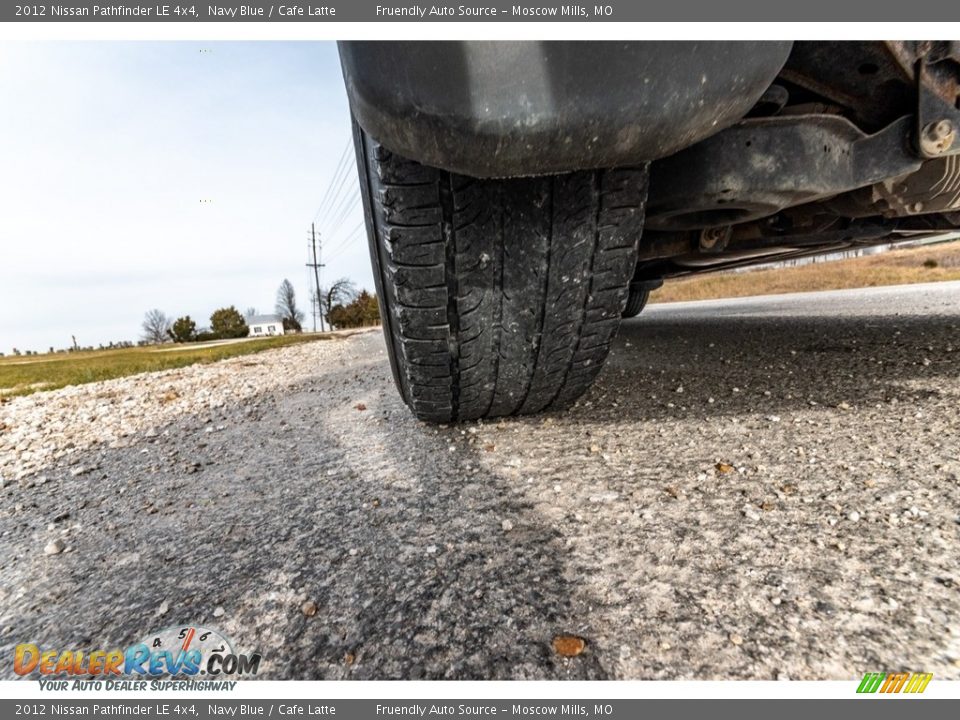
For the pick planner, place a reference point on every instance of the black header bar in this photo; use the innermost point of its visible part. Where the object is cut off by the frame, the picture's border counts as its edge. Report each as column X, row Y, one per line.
column 495, row 11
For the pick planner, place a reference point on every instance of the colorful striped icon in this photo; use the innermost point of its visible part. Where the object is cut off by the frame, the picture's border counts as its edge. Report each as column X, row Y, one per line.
column 894, row 682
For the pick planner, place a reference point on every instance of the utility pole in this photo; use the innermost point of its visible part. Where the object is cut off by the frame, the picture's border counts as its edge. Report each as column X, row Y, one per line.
column 316, row 265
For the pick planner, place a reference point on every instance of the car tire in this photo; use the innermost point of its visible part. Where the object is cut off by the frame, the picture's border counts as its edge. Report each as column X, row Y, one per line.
column 636, row 301
column 498, row 297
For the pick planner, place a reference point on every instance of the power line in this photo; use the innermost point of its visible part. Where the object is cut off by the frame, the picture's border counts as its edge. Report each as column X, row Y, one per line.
column 340, row 195
column 350, row 203
column 325, row 200
column 353, row 231
column 316, row 265
column 333, row 179
column 347, row 242
column 336, row 204
column 346, row 201
column 337, row 183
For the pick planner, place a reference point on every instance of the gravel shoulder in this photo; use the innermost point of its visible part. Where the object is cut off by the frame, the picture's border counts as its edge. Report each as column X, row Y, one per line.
column 755, row 489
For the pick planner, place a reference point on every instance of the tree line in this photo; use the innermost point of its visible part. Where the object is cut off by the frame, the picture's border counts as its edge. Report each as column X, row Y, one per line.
column 340, row 304
column 362, row 311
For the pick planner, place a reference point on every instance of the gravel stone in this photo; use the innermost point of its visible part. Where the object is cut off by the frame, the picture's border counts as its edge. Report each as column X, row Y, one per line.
column 54, row 547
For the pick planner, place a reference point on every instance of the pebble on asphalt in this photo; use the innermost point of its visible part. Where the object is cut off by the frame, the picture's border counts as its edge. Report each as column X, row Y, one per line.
column 55, row 547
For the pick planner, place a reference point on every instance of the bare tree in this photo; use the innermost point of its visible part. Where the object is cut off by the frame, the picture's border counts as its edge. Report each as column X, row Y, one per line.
column 156, row 326
column 251, row 312
column 287, row 305
column 340, row 292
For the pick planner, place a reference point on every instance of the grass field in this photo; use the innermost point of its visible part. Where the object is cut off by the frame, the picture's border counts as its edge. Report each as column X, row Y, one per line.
column 929, row 263
column 24, row 375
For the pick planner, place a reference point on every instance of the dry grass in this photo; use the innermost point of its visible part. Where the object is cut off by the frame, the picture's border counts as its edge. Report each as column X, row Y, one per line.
column 931, row 263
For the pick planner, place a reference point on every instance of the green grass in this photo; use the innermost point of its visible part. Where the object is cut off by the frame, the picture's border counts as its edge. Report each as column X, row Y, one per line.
column 28, row 374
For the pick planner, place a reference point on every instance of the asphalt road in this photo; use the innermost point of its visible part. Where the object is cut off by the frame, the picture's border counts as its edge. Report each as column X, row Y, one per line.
column 756, row 489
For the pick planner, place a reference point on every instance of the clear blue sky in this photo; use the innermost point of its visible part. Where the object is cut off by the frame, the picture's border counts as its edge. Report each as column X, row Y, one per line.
column 108, row 148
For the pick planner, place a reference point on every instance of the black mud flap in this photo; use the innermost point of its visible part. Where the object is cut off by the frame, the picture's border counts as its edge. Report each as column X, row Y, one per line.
column 502, row 109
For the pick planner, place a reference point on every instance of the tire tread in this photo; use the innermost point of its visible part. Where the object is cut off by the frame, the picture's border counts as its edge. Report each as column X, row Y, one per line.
column 499, row 297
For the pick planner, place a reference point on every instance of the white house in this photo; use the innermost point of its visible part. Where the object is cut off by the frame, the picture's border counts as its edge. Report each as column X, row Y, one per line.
column 261, row 325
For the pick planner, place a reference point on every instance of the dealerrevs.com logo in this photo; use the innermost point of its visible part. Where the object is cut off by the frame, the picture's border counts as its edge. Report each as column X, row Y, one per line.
column 185, row 652
column 899, row 682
